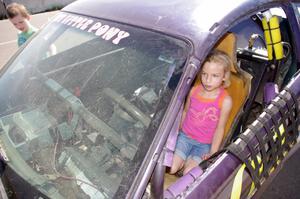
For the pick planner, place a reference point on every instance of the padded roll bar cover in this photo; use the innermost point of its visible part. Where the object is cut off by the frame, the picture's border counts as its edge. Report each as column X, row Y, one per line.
column 180, row 185
column 171, row 141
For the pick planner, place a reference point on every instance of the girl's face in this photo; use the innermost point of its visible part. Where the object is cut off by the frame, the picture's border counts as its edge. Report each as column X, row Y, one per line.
column 212, row 75
column 20, row 23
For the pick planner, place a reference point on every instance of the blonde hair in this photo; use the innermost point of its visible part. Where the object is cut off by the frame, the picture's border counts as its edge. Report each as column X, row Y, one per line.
column 223, row 59
column 15, row 9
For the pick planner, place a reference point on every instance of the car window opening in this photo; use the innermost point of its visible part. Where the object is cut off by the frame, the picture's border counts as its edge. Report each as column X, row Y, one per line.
column 247, row 99
column 239, row 81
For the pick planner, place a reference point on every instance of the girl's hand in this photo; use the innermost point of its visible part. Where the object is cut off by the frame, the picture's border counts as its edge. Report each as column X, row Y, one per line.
column 205, row 156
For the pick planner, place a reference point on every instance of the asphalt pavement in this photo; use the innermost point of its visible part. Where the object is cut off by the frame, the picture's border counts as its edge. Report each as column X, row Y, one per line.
column 285, row 186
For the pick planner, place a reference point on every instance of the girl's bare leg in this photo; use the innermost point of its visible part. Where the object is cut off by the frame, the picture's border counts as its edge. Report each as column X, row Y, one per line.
column 177, row 164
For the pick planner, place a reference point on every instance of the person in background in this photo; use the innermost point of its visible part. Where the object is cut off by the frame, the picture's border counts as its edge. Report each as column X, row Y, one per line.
column 19, row 17
column 204, row 118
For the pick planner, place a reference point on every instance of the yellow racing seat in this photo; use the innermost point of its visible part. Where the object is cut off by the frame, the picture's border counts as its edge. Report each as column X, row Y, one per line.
column 239, row 88
column 240, row 83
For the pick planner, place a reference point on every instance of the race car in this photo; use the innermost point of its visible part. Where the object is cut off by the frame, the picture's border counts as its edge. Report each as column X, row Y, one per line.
column 91, row 104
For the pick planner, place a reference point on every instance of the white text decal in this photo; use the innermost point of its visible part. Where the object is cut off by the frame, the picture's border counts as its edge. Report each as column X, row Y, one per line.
column 104, row 31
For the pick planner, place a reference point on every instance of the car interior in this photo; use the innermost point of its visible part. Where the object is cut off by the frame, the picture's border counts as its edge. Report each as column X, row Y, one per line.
column 252, row 75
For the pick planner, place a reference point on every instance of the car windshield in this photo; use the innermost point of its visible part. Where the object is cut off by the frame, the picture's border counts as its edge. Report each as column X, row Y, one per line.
column 82, row 102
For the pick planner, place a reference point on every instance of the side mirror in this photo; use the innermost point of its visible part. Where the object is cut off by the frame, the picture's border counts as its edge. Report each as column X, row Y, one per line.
column 270, row 91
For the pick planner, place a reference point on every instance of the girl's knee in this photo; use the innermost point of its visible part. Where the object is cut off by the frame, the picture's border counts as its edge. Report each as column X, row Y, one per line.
column 177, row 164
column 173, row 170
column 189, row 166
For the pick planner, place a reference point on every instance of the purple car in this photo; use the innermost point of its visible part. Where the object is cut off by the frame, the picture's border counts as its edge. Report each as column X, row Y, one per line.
column 90, row 106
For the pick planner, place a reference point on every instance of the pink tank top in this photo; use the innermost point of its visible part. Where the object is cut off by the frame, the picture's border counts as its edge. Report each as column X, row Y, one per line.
column 202, row 116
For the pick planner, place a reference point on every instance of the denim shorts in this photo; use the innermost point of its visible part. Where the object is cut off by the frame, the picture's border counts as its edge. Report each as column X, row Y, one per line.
column 189, row 148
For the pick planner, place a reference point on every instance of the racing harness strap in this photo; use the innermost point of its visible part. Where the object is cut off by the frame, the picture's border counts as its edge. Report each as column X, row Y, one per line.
column 268, row 140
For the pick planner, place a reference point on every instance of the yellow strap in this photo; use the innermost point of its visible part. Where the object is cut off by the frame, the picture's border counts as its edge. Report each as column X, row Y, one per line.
column 238, row 179
column 237, row 183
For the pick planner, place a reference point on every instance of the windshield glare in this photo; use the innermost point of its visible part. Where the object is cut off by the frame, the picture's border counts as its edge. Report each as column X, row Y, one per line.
column 79, row 100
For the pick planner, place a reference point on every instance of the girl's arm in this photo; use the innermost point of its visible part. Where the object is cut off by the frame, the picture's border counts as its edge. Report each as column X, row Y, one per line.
column 218, row 135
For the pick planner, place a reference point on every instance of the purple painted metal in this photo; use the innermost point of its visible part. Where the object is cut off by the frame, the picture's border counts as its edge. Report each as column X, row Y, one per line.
column 294, row 25
column 178, row 18
column 294, row 84
column 270, row 91
column 171, row 142
column 207, row 185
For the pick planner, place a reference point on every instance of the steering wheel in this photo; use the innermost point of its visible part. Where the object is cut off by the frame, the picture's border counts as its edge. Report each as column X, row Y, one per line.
column 127, row 106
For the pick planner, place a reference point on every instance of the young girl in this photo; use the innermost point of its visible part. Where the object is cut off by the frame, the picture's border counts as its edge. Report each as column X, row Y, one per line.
column 208, row 107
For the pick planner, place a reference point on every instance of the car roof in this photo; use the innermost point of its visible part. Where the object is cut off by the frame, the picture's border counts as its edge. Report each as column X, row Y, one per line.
column 193, row 19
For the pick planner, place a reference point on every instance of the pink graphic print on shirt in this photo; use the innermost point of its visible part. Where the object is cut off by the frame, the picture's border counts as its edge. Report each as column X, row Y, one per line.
column 209, row 112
